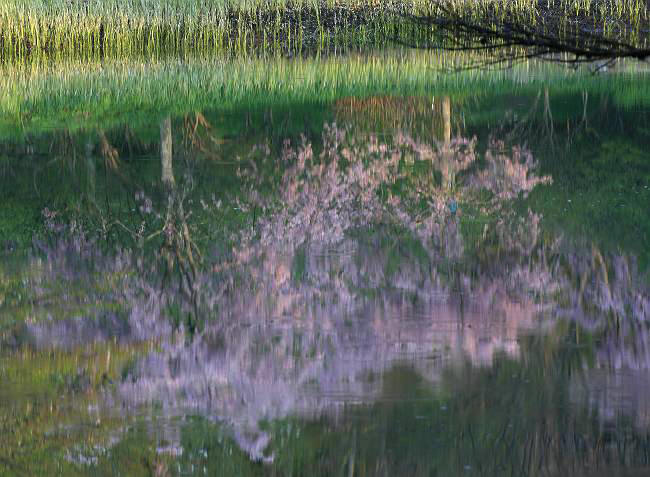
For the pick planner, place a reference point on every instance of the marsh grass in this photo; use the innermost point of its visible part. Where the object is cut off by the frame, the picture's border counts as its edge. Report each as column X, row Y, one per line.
column 98, row 28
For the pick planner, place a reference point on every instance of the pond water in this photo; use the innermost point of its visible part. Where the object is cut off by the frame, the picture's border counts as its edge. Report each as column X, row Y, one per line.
column 352, row 265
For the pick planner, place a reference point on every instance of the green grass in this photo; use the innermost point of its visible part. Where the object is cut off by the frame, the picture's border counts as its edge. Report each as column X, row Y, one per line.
column 100, row 28
column 83, row 95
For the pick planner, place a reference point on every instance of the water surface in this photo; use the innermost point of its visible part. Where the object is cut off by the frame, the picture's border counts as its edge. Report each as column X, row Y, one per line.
column 316, row 274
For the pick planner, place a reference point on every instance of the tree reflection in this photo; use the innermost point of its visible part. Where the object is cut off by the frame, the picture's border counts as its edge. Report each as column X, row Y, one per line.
column 353, row 265
column 325, row 308
column 166, row 151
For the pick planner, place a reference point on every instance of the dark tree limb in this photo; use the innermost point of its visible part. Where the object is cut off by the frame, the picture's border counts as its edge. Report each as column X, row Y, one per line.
column 547, row 34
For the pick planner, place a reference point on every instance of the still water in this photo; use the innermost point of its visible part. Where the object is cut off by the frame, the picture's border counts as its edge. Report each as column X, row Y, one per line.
column 452, row 281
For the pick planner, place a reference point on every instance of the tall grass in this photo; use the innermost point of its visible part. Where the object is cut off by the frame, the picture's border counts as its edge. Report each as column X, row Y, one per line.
column 119, row 28
column 126, row 27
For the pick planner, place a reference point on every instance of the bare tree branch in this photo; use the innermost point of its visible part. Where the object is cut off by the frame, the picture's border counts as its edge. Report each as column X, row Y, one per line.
column 546, row 33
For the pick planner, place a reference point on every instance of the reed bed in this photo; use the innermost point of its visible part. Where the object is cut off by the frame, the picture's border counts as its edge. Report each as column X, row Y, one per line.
column 98, row 28
column 76, row 94
column 88, row 28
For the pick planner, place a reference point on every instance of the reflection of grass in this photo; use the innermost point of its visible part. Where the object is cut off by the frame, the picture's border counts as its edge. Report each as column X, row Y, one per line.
column 45, row 401
column 82, row 95
column 602, row 193
column 52, row 96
